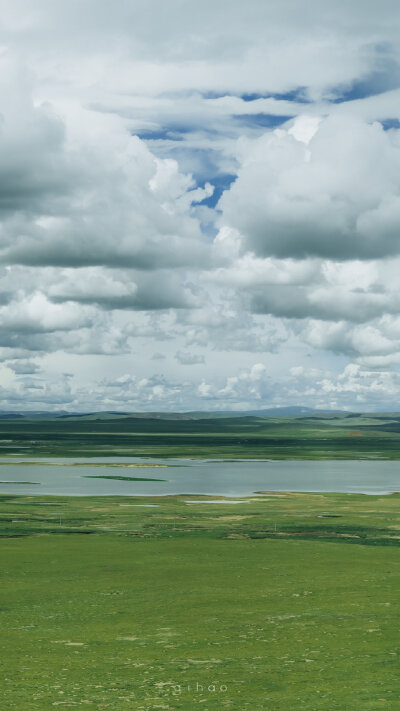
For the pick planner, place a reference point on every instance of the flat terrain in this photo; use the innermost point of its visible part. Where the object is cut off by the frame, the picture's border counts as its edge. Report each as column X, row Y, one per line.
column 341, row 436
column 275, row 603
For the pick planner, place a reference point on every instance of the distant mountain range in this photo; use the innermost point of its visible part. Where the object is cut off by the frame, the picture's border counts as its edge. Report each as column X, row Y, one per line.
column 287, row 411
column 268, row 412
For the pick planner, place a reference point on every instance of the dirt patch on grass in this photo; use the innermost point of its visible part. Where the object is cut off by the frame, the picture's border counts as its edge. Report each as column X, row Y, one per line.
column 321, row 534
column 230, row 518
column 171, row 518
column 104, row 509
column 205, row 661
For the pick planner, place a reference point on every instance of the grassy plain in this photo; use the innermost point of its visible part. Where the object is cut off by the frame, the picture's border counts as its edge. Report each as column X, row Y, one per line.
column 272, row 604
column 341, row 436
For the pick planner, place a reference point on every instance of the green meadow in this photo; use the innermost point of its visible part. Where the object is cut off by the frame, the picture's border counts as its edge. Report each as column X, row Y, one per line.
column 330, row 436
column 277, row 603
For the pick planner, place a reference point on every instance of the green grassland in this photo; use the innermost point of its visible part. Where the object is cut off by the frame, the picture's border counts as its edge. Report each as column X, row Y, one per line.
column 271, row 604
column 274, row 604
column 330, row 436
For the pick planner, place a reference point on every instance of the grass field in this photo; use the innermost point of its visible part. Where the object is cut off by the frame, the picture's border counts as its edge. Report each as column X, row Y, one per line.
column 342, row 436
column 273, row 604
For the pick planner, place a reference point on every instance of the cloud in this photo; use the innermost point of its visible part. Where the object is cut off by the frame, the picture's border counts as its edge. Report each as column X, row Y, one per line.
column 36, row 393
column 323, row 302
column 176, row 191
column 376, row 339
column 225, row 326
column 122, row 289
column 37, row 314
column 334, row 196
column 355, row 387
column 34, row 170
column 356, row 291
column 362, row 386
column 119, row 220
column 176, row 47
column 185, row 358
column 23, row 366
column 80, row 190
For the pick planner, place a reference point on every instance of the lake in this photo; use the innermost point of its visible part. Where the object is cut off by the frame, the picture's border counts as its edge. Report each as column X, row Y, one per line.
column 187, row 476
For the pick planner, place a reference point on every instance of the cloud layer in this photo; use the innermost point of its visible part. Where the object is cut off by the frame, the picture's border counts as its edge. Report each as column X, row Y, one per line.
column 199, row 214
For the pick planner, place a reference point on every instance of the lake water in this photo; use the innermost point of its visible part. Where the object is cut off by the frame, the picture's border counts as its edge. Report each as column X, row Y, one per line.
column 211, row 477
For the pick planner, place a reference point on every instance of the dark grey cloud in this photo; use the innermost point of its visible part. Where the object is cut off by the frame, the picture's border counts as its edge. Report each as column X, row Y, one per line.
column 35, row 172
column 324, row 303
column 24, row 366
column 123, row 289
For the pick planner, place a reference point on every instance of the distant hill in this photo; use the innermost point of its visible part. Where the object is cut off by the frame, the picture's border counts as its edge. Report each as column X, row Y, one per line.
column 11, row 415
column 269, row 412
column 291, row 411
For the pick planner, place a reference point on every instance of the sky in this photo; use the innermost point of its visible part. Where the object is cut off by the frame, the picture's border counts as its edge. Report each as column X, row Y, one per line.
column 199, row 205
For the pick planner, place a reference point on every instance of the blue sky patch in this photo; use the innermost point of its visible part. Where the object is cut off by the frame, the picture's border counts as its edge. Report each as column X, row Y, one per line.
column 299, row 95
column 220, row 182
column 161, row 134
column 261, row 120
column 390, row 123
column 377, row 82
